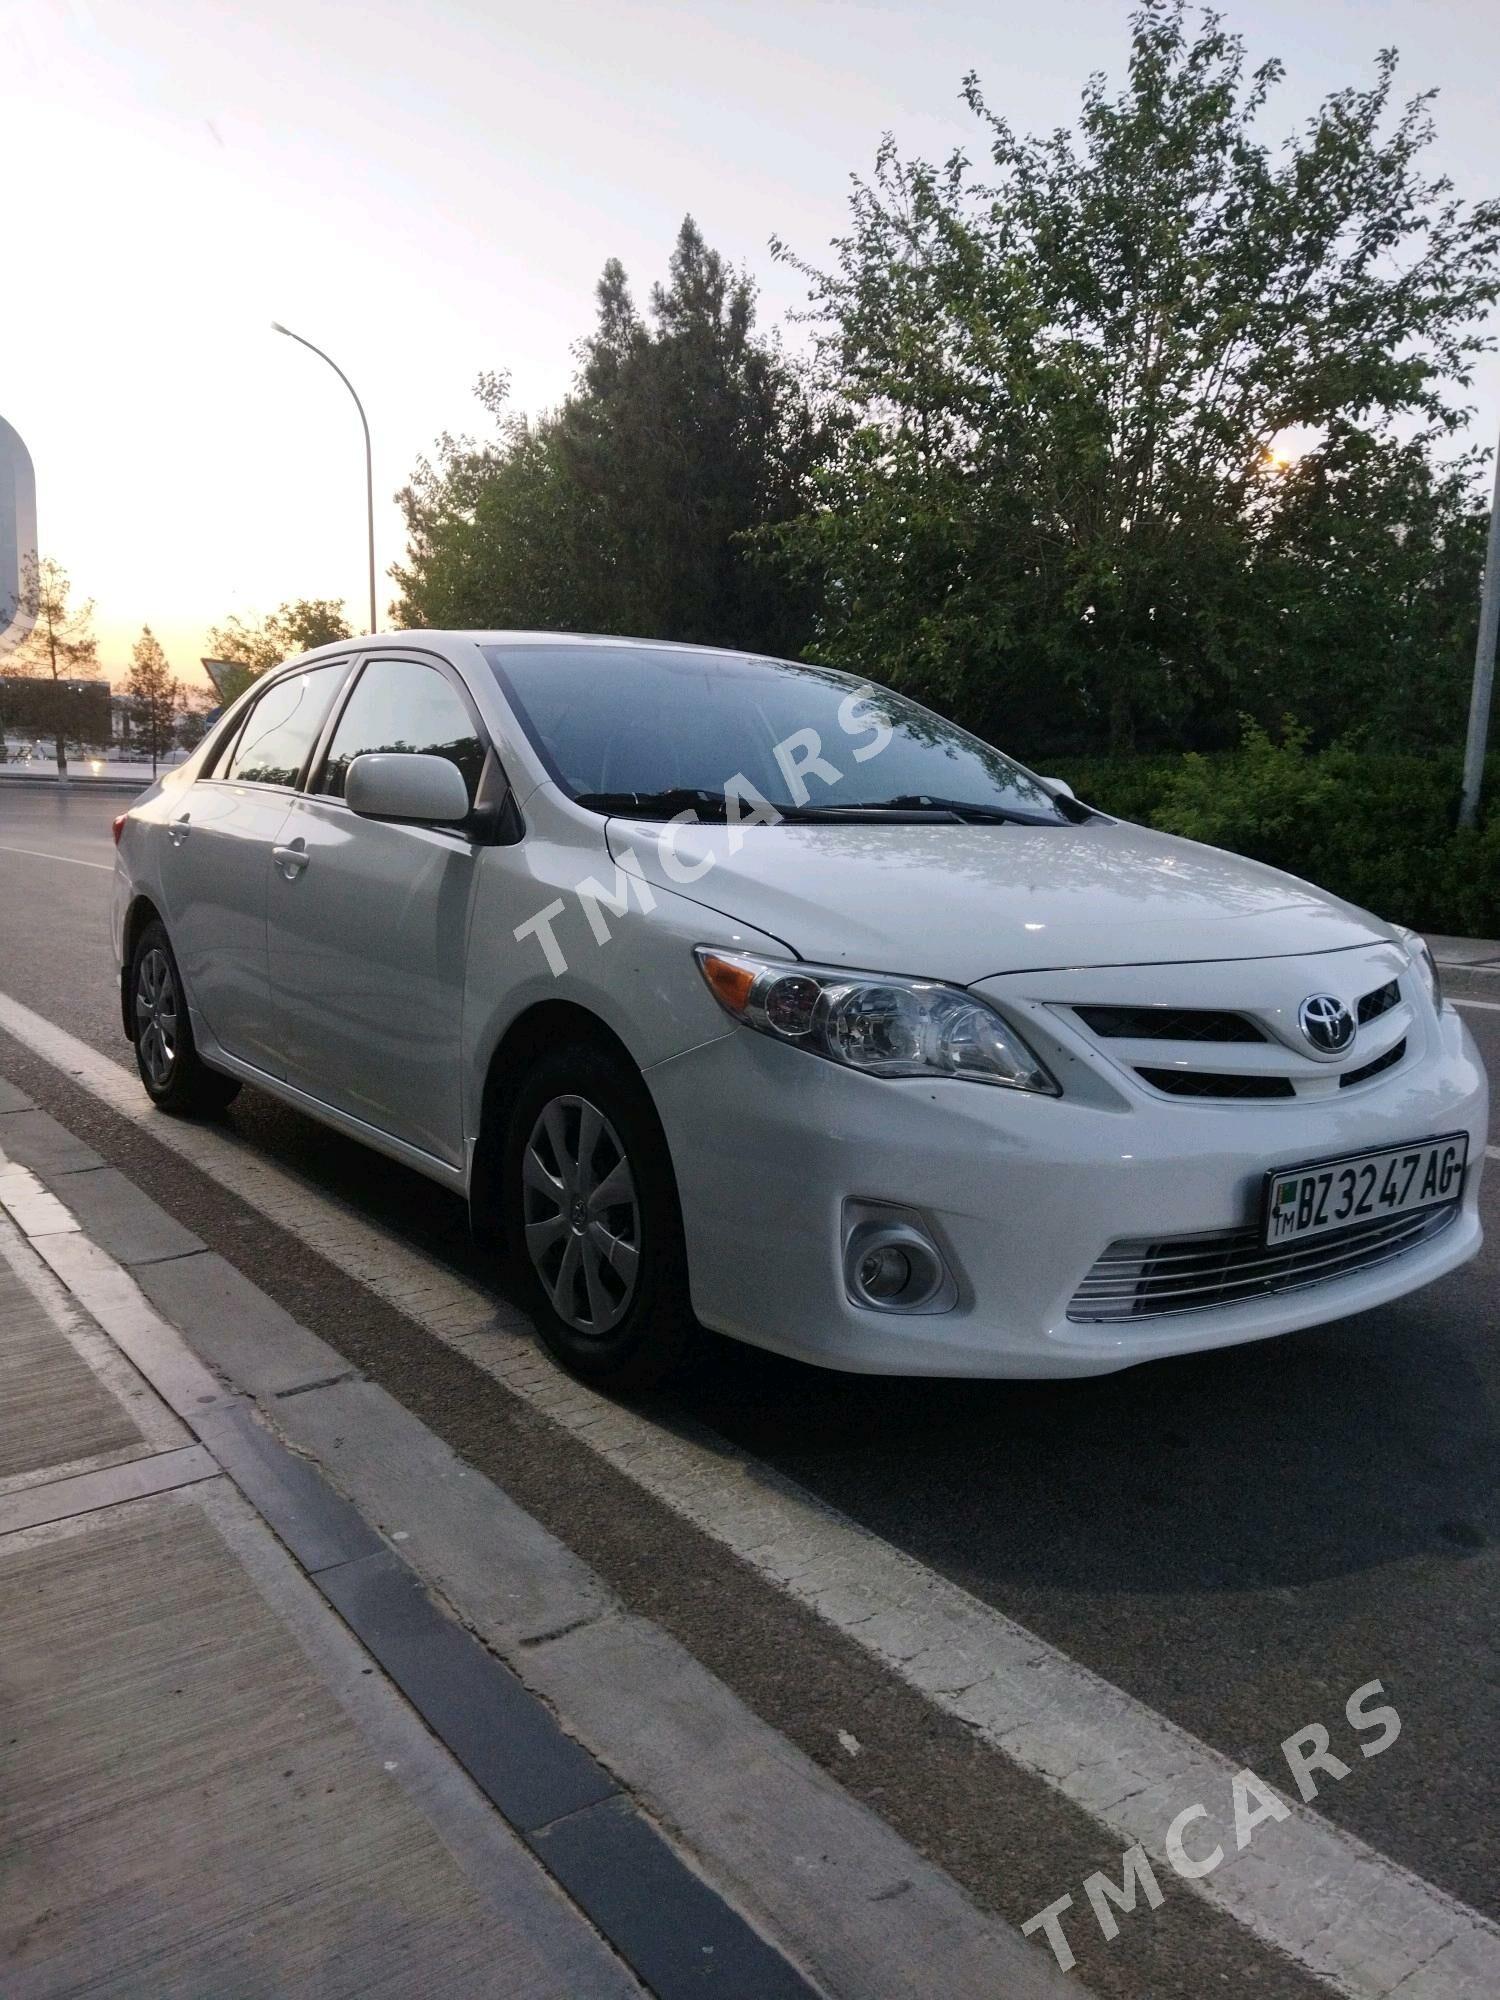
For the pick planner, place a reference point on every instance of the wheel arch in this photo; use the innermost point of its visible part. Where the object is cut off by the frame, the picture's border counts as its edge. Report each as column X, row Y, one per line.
column 544, row 1026
column 142, row 911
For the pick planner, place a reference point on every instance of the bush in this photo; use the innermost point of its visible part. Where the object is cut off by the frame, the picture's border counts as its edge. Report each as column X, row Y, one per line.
column 1374, row 827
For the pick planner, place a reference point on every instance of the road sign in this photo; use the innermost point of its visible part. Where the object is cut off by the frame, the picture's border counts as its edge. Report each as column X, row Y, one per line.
column 17, row 532
column 224, row 674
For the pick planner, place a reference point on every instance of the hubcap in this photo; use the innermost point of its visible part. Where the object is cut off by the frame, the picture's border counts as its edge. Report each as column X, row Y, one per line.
column 156, row 1017
column 582, row 1219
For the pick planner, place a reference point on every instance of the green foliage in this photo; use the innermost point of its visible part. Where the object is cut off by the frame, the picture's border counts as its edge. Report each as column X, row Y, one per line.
column 153, row 692
column 627, row 509
column 1053, row 503
column 1146, row 433
column 253, row 646
column 1131, row 787
column 1376, row 828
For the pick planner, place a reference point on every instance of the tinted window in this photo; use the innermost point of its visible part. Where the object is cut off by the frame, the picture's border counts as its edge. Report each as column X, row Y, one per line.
column 658, row 723
column 281, row 727
column 402, row 705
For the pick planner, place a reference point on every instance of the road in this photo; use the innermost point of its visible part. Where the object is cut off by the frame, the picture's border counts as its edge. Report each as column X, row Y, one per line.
column 1236, row 1541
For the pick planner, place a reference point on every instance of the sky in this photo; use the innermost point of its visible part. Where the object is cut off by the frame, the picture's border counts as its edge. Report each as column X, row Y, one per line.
column 428, row 191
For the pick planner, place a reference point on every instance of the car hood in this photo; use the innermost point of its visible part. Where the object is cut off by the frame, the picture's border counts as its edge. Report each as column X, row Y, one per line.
column 963, row 903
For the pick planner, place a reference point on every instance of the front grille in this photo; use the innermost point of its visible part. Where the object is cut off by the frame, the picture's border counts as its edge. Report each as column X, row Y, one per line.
column 1210, row 1083
column 1145, row 1280
column 1389, row 1060
column 1168, row 1024
column 1381, row 1001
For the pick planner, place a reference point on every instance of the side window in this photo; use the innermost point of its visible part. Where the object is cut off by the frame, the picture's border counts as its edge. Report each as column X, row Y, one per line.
column 281, row 728
column 403, row 705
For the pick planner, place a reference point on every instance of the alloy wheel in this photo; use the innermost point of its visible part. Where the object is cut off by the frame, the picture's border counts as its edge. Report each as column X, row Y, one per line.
column 581, row 1214
column 156, row 1017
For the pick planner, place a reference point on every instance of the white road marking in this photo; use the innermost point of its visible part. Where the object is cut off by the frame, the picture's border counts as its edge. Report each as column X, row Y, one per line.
column 1487, row 1007
column 41, row 854
column 1362, row 1923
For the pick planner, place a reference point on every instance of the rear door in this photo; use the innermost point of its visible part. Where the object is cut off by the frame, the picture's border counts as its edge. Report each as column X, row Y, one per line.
column 216, row 860
column 368, row 922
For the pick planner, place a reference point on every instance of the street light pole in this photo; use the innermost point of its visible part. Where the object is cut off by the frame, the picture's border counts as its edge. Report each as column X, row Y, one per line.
column 1484, row 666
column 277, row 327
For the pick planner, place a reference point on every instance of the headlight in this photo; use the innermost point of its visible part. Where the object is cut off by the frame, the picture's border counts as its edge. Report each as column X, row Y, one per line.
column 870, row 1022
column 1423, row 964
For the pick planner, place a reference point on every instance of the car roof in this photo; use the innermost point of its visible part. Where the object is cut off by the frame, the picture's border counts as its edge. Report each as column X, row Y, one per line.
column 507, row 639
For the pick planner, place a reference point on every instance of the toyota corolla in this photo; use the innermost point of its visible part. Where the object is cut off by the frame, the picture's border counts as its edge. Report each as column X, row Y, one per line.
column 738, row 993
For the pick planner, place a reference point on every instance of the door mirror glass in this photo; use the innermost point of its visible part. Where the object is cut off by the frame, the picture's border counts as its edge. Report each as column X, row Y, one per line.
column 406, row 786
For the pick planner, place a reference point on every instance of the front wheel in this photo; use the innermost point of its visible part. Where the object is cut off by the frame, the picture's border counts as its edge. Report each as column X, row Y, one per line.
column 175, row 1076
column 593, row 1221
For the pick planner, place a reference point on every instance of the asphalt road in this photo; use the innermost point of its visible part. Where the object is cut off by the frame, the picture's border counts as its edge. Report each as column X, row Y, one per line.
column 1237, row 1540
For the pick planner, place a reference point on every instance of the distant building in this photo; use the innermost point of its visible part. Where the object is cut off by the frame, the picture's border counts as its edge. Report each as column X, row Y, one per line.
column 34, row 705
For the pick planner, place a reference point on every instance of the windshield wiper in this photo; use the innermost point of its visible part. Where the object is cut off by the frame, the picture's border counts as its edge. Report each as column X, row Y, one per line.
column 653, row 805
column 962, row 809
column 710, row 805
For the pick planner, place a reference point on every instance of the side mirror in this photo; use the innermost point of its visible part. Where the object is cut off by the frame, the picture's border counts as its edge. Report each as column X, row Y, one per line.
column 1061, row 785
column 403, row 786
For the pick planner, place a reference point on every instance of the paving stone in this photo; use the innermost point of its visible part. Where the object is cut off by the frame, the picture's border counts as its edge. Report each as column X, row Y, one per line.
column 39, row 1142
column 235, row 1328
column 120, row 1218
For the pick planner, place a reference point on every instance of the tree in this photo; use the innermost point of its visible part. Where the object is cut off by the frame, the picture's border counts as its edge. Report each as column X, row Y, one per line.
column 1058, row 499
column 59, row 645
column 199, row 704
column 153, row 692
column 630, row 508
column 297, row 627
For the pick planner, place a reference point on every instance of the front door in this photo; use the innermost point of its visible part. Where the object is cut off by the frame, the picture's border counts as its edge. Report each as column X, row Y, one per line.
column 368, row 922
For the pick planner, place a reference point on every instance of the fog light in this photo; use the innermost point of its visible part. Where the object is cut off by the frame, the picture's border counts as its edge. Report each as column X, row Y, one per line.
column 884, row 1273
column 892, row 1266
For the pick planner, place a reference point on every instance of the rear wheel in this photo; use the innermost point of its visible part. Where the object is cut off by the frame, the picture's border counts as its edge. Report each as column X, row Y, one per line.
column 174, row 1075
column 593, row 1222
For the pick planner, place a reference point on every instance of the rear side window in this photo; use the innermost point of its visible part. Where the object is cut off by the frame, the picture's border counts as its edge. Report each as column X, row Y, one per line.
column 282, row 727
column 403, row 705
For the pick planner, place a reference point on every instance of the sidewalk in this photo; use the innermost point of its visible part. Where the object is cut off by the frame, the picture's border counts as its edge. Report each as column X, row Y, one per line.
column 208, row 1789
column 98, row 774
column 244, row 1751
column 1465, row 954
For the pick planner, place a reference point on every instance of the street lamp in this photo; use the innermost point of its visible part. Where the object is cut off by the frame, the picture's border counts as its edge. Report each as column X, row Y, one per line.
column 1484, row 666
column 277, row 327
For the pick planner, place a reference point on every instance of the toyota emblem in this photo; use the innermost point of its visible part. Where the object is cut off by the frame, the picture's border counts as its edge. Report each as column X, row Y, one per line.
column 1327, row 1024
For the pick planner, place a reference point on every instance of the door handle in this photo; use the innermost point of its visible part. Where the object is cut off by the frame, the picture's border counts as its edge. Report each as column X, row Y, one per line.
column 178, row 831
column 291, row 860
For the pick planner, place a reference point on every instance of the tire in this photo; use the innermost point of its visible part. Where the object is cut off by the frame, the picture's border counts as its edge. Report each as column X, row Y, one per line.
column 605, row 1281
column 175, row 1076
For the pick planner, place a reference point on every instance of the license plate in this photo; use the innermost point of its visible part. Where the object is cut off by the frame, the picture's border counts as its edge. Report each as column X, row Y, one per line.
column 1363, row 1187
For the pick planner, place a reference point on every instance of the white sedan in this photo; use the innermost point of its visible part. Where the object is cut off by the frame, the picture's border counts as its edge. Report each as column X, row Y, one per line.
column 735, row 992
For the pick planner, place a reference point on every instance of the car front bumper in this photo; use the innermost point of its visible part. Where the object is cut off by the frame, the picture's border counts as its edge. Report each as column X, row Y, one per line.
column 1021, row 1193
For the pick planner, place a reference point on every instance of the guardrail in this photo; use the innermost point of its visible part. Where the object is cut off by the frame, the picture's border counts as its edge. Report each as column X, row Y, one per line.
column 111, row 781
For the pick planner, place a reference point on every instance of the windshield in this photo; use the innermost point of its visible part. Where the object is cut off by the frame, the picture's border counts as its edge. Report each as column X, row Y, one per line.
column 654, row 730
